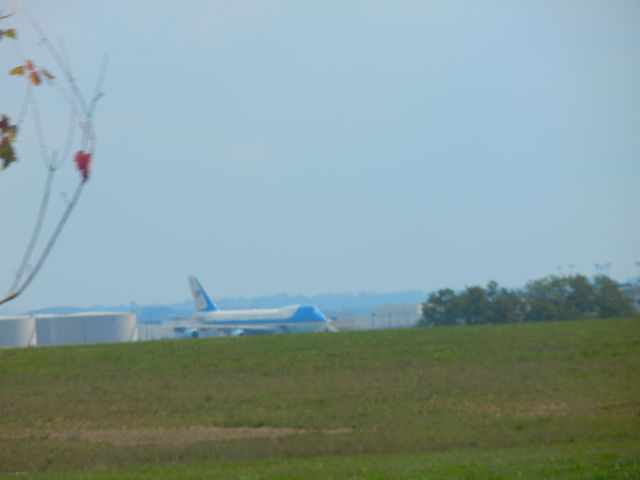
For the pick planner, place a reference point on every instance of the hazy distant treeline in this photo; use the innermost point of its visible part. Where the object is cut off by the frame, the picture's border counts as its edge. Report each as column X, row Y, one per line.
column 549, row 298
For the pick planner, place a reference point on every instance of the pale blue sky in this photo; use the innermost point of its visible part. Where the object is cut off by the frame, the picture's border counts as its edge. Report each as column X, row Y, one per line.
column 311, row 147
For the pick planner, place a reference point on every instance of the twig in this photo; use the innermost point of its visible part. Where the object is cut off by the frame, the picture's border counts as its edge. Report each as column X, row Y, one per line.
column 44, row 202
column 49, row 246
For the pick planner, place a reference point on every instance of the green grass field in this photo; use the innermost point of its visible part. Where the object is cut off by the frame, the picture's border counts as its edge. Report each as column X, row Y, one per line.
column 545, row 400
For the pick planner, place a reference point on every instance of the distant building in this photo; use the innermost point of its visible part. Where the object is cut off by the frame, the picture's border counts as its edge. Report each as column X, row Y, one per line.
column 17, row 331
column 384, row 316
column 68, row 329
column 90, row 327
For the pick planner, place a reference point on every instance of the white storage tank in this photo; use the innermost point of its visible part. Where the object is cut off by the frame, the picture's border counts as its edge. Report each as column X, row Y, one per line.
column 92, row 327
column 19, row 331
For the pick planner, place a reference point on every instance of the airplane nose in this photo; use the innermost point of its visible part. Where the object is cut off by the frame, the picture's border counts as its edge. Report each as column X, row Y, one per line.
column 318, row 315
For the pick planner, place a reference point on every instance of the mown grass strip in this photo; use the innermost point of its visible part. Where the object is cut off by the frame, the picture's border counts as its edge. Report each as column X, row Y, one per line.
column 568, row 462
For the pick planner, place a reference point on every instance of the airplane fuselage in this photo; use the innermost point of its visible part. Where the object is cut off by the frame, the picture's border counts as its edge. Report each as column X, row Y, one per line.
column 298, row 318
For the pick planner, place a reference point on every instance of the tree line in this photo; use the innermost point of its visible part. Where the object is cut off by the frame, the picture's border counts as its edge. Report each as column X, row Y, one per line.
column 549, row 298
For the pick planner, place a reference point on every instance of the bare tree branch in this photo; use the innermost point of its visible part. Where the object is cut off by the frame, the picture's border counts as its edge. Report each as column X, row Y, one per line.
column 78, row 107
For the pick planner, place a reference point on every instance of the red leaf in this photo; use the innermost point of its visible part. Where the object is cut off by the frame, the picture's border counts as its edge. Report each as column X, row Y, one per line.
column 83, row 161
column 35, row 78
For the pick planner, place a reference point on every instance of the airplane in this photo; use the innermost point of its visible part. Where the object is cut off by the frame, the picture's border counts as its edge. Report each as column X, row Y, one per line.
column 212, row 321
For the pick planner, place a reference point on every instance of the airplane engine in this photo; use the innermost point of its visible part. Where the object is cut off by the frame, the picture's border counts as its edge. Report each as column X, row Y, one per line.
column 191, row 333
column 187, row 332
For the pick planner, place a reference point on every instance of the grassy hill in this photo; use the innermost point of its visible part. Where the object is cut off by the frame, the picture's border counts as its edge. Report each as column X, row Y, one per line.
column 556, row 400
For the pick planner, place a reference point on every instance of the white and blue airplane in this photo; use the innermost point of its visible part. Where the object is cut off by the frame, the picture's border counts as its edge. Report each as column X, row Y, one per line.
column 210, row 320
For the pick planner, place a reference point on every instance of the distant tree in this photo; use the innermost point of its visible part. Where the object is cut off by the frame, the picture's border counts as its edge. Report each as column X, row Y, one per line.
column 610, row 301
column 563, row 298
column 474, row 305
column 506, row 305
column 546, row 299
column 549, row 298
column 580, row 299
column 440, row 308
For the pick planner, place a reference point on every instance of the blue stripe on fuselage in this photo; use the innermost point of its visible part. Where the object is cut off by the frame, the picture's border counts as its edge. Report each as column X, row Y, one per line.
column 304, row 314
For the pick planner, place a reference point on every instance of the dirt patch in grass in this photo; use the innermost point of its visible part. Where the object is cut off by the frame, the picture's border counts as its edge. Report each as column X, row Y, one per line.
column 173, row 436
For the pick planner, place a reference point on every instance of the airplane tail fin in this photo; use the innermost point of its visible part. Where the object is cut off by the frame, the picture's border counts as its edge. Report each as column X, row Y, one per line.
column 200, row 298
